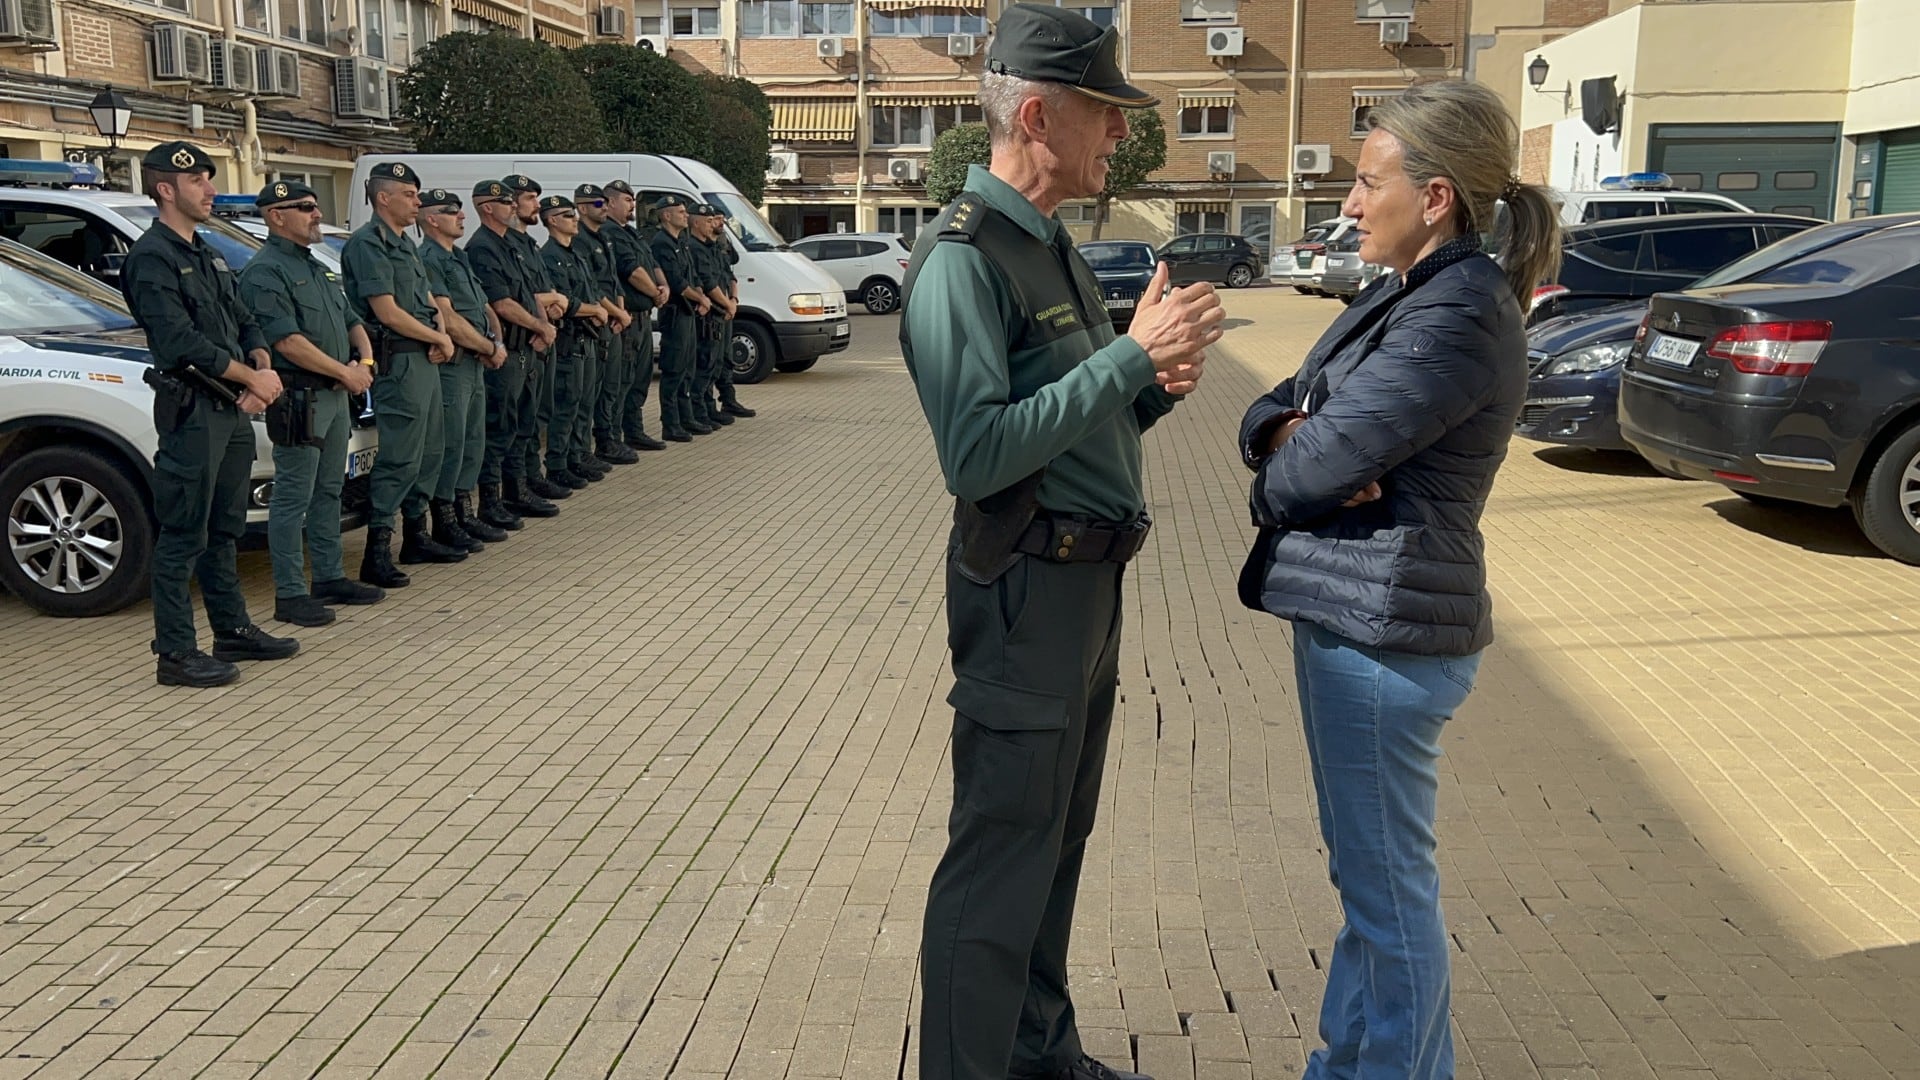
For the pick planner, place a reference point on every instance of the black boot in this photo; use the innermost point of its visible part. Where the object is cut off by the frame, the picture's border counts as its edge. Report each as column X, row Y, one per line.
column 548, row 489
column 719, row 418
column 590, row 466
column 677, row 435
column 416, row 546
column 615, row 452
column 447, row 531
column 494, row 512
column 644, row 441
column 472, row 524
column 193, row 668
column 568, row 479
column 306, row 610
column 521, row 499
column 342, row 591
column 732, row 407
column 249, row 642
column 376, row 566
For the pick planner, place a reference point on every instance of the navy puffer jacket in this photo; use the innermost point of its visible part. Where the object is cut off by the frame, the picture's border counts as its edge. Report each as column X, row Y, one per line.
column 1416, row 385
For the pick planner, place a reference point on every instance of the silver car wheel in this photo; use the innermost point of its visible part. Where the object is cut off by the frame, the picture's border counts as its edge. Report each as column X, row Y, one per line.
column 64, row 534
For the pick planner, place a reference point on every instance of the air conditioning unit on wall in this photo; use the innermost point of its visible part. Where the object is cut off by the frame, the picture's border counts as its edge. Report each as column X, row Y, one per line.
column 360, row 90
column 962, row 44
column 1220, row 162
column 181, row 54
column 904, row 170
column 26, row 22
column 1226, row 41
column 235, row 67
column 610, row 21
column 783, row 165
column 279, row 72
column 653, row 43
column 830, row 48
column 1313, row 160
column 1395, row 31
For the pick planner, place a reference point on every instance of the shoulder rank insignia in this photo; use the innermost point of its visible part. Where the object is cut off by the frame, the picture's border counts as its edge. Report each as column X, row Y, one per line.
column 969, row 210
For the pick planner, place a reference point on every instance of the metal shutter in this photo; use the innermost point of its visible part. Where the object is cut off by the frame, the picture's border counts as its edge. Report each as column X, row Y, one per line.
column 1769, row 156
column 1899, row 187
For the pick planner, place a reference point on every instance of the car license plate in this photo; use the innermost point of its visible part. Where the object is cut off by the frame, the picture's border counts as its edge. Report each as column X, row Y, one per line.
column 1120, row 302
column 1303, row 259
column 360, row 462
column 1672, row 350
column 842, row 330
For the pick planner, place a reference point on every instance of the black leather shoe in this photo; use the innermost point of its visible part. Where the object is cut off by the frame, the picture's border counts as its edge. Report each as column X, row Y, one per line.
column 616, row 453
column 301, row 611
column 521, row 499
column 193, row 668
column 678, row 436
column 546, row 489
column 416, row 546
column 376, row 565
column 644, row 441
column 252, row 643
column 734, row 408
column 1087, row 1068
column 592, row 474
column 342, row 591
column 568, row 479
column 699, row 428
column 719, row 419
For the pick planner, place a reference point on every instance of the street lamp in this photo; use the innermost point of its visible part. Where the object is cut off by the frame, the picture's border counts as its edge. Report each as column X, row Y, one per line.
column 1537, row 77
column 112, row 116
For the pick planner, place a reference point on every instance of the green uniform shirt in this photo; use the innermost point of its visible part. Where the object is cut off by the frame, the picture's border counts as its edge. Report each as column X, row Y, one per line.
column 569, row 274
column 504, row 268
column 708, row 268
column 676, row 262
column 184, row 296
column 536, row 267
column 381, row 262
column 631, row 253
column 289, row 293
column 593, row 247
column 449, row 274
column 1076, row 405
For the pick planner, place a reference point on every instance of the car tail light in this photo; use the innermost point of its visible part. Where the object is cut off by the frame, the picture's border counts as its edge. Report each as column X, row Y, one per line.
column 1734, row 477
column 1640, row 335
column 902, row 262
column 1545, row 293
column 1773, row 348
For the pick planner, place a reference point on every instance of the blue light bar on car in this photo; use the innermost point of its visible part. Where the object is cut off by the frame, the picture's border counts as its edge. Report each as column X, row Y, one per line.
column 28, row 171
column 1640, row 181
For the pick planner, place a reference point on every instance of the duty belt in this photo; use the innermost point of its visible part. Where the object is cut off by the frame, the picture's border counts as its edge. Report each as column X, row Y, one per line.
column 1067, row 539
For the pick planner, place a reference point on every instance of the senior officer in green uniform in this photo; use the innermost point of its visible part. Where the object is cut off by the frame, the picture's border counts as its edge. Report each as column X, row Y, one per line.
column 1036, row 410
column 202, row 338
column 526, row 205
column 710, row 268
column 321, row 351
column 679, row 320
column 506, row 275
column 646, row 289
column 387, row 285
column 726, row 258
column 572, row 274
column 596, row 239
column 463, row 396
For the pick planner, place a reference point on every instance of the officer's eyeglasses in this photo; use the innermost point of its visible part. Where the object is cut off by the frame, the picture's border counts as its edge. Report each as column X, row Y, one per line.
column 595, row 203
column 568, row 214
column 300, row 207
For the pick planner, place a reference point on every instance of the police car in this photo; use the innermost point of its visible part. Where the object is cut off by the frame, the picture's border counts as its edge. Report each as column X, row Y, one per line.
column 1642, row 194
column 77, row 438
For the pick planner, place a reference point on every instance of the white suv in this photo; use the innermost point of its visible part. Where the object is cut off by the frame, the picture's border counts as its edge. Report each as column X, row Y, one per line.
column 869, row 266
column 1639, row 195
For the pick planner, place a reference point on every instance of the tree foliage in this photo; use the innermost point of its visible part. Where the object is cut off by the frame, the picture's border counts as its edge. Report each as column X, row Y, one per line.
column 739, row 118
column 953, row 150
column 496, row 93
column 650, row 104
column 1143, row 151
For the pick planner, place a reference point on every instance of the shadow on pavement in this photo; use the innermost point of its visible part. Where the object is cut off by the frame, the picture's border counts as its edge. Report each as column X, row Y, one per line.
column 1829, row 531
column 1599, row 462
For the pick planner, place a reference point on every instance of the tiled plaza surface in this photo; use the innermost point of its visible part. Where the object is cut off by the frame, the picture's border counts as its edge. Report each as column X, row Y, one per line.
column 655, row 789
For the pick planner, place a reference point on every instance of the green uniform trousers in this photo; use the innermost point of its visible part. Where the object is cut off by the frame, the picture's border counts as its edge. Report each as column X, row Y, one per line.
column 511, row 410
column 1035, row 662
column 593, row 361
column 678, row 329
column 543, row 375
column 463, row 422
column 200, row 480
column 567, row 369
column 307, row 481
column 700, row 392
column 406, row 410
column 615, row 373
column 723, row 366
column 639, row 351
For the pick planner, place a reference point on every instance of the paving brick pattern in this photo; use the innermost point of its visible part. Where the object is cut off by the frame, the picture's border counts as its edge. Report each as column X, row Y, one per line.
column 655, row 789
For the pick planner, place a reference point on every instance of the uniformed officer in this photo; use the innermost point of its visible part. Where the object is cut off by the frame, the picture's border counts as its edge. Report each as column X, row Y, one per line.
column 572, row 274
column 507, row 278
column 679, row 321
column 646, row 289
column 1036, row 410
column 387, row 285
column 210, row 370
column 726, row 257
column 463, row 397
column 595, row 244
column 526, row 205
column 322, row 354
column 709, row 268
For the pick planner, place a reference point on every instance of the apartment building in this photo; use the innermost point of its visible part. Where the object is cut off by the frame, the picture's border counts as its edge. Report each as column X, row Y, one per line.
column 1264, row 103
column 273, row 89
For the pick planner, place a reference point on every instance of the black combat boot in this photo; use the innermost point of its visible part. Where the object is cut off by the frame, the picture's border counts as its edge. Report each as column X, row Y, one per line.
column 718, row 418
column 494, row 511
column 417, row 546
column 447, row 531
column 193, row 668
column 342, row 591
column 732, row 407
column 699, row 427
column 304, row 610
column 521, row 499
column 592, row 468
column 472, row 524
column 249, row 642
column 568, row 479
column 548, row 489
column 644, row 441
column 376, row 566
column 615, row 452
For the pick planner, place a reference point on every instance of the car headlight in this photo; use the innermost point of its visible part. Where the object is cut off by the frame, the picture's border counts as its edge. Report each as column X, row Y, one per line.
column 807, row 303
column 1592, row 358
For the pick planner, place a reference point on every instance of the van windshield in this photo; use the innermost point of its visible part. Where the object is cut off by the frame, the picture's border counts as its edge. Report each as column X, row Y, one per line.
column 747, row 224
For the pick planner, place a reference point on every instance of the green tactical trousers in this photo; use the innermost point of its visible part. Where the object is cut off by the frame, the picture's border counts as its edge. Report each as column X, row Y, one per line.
column 723, row 366
column 200, row 481
column 639, row 351
column 511, row 410
column 307, row 481
column 406, row 404
column 463, row 422
column 615, row 374
column 542, row 376
column 678, row 331
column 587, row 397
column 566, row 405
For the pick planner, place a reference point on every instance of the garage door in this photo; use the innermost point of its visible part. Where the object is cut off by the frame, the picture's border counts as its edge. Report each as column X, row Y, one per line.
column 1784, row 168
column 1899, row 171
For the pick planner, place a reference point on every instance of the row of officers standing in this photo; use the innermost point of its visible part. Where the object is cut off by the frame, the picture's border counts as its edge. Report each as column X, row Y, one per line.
column 512, row 370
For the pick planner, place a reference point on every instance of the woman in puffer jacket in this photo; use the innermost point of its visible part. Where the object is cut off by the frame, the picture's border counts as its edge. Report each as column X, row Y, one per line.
column 1373, row 467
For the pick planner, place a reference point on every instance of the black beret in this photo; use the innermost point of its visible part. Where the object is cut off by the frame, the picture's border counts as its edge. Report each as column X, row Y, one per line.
column 491, row 189
column 395, row 170
column 521, row 182
column 177, row 157
column 555, row 202
column 281, row 191
column 620, row 186
column 439, row 197
column 589, row 191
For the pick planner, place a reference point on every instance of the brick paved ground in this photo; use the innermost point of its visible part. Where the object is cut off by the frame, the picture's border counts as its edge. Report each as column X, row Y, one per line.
column 655, row 789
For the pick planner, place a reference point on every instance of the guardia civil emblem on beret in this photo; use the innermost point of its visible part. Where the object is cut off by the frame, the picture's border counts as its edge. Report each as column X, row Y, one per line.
column 183, row 158
column 399, row 169
column 279, row 191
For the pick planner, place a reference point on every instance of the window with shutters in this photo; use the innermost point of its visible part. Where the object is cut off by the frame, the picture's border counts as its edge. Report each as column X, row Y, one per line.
column 1208, row 12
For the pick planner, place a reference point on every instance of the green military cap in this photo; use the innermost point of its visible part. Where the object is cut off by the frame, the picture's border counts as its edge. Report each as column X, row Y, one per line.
column 520, row 182
column 554, row 202
column 439, row 197
column 588, row 191
column 398, row 171
column 1053, row 44
column 490, row 189
column 670, row 199
column 619, row 186
column 177, row 157
column 281, row 192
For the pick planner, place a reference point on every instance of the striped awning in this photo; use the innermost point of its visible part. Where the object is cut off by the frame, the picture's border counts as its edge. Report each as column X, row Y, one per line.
column 1200, row 207
column 1206, row 99
column 920, row 99
column 911, row 5
column 813, row 119
column 553, row 35
column 492, row 13
column 1367, row 98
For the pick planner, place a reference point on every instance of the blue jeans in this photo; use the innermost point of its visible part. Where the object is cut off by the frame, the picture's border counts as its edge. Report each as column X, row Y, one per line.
column 1373, row 720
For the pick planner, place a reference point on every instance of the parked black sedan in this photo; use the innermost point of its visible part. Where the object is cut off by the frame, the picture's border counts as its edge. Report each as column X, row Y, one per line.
column 1124, row 267
column 1221, row 258
column 1800, row 384
column 1632, row 258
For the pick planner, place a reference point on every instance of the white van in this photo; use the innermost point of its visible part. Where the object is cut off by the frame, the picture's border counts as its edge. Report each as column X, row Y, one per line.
column 791, row 312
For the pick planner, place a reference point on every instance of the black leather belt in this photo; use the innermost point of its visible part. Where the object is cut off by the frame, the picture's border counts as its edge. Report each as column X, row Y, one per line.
column 1075, row 539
